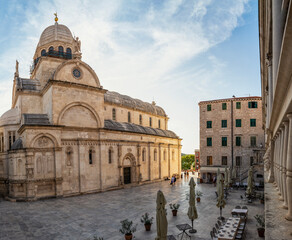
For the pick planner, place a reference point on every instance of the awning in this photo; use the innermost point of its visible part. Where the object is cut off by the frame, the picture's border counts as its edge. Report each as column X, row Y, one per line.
column 211, row 169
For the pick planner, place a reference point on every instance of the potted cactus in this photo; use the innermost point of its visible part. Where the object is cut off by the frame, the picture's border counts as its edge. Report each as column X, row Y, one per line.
column 127, row 229
column 261, row 224
column 174, row 207
column 147, row 221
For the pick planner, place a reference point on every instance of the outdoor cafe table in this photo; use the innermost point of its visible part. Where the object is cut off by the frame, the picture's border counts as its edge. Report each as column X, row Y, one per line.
column 239, row 211
column 229, row 229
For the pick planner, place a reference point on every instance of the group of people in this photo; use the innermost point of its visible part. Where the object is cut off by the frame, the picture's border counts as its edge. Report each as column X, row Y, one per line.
column 173, row 180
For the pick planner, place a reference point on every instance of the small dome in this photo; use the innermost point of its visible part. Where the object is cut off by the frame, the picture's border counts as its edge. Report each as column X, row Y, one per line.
column 56, row 32
column 12, row 116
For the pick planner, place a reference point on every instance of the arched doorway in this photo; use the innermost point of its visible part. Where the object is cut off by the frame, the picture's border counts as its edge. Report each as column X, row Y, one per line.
column 129, row 169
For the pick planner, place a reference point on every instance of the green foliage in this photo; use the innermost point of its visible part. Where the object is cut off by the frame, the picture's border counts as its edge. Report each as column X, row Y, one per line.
column 261, row 220
column 146, row 219
column 174, row 206
column 187, row 161
column 127, row 227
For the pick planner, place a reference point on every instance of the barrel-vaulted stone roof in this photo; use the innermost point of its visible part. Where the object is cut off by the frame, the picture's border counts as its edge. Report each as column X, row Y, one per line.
column 28, row 84
column 134, row 128
column 136, row 104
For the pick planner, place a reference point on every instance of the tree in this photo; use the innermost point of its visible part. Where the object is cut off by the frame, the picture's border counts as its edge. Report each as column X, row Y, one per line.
column 187, row 161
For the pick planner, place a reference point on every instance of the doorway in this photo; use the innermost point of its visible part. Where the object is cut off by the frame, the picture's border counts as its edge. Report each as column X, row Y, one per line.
column 127, row 175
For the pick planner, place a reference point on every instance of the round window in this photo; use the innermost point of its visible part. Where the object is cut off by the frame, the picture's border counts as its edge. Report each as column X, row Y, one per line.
column 76, row 73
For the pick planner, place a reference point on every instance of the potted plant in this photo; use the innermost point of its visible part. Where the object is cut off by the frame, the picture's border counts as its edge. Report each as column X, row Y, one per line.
column 127, row 229
column 261, row 224
column 198, row 195
column 174, row 207
column 147, row 221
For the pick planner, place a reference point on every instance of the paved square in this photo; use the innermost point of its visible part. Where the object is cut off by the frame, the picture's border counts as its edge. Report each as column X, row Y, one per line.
column 84, row 217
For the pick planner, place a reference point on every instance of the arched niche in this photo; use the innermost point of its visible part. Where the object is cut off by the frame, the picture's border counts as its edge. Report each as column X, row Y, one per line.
column 79, row 115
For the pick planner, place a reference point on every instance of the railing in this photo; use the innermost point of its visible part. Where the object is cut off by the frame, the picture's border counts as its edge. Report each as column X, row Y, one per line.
column 55, row 54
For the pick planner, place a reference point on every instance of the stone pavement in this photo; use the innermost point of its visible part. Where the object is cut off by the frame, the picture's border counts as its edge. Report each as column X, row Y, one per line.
column 83, row 217
column 276, row 224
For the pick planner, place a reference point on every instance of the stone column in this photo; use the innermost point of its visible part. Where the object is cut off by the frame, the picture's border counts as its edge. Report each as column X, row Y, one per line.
column 289, row 170
column 280, row 164
column 276, row 160
column 286, row 132
column 270, row 87
column 271, row 177
column 278, row 28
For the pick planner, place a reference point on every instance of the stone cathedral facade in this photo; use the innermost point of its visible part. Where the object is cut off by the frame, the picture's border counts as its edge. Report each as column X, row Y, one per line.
column 66, row 135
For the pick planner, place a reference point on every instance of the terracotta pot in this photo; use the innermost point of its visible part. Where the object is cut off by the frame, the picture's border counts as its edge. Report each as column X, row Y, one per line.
column 198, row 199
column 174, row 212
column 128, row 237
column 261, row 232
column 147, row 227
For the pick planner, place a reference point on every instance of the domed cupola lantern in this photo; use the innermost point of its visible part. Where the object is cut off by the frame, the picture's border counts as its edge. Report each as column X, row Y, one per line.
column 56, row 41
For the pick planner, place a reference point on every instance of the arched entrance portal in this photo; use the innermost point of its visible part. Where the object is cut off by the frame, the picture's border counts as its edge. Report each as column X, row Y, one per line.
column 129, row 169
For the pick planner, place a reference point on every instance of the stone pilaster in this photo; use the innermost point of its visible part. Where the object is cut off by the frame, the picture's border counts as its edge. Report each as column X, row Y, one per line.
column 281, row 164
column 289, row 171
column 284, row 175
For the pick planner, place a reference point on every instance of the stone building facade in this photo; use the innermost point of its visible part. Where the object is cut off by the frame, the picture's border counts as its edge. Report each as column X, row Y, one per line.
column 275, row 35
column 231, row 135
column 66, row 135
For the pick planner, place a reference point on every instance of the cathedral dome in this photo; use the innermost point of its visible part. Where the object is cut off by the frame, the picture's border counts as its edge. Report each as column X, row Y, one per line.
column 56, row 32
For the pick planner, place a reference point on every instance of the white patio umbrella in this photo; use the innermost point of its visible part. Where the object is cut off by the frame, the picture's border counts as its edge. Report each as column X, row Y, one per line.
column 161, row 221
column 192, row 211
column 220, row 201
column 219, row 176
column 226, row 178
column 249, row 189
column 229, row 177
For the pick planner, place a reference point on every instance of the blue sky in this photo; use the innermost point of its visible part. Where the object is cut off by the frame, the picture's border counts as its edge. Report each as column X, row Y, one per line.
column 176, row 52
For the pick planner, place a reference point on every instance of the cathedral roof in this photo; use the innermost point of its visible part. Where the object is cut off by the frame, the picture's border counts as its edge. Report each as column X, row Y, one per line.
column 56, row 32
column 131, row 127
column 36, row 119
column 28, row 84
column 136, row 104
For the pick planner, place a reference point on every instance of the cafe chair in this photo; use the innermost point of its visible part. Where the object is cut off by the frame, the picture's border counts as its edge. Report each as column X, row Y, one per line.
column 244, row 207
column 238, row 207
column 212, row 236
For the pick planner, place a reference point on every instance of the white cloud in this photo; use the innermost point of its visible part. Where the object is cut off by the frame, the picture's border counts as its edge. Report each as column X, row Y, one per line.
column 139, row 48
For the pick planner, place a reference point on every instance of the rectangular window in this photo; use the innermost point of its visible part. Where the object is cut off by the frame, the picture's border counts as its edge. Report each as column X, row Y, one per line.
column 253, row 141
column 224, row 160
column 209, row 107
column 224, row 141
column 238, row 122
column 224, row 106
column 238, row 160
column 252, row 104
column 11, row 138
column 150, row 121
column 224, row 123
column 209, row 142
column 209, row 160
column 253, row 122
column 238, row 141
column 209, row 124
column 238, row 105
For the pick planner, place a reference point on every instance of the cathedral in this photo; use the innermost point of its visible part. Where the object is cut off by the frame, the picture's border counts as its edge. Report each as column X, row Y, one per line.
column 66, row 135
